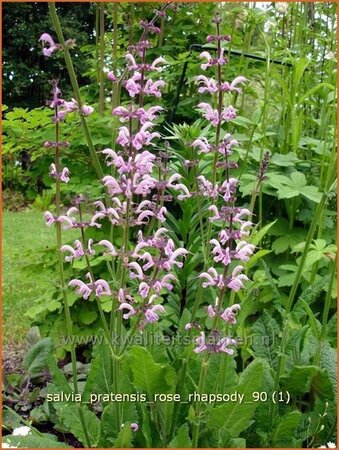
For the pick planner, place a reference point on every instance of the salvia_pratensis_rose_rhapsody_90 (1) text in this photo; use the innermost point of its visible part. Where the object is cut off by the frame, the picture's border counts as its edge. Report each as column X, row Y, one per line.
column 144, row 261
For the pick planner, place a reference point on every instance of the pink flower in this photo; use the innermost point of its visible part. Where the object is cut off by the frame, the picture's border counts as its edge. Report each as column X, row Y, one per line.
column 229, row 87
column 206, row 187
column 201, row 343
column 207, row 85
column 152, row 88
column 136, row 271
column 151, row 311
column 213, row 278
column 110, row 247
column 134, row 427
column 229, row 314
column 228, row 113
column 78, row 250
column 237, row 279
column 123, row 137
column 209, row 113
column 209, row 59
column 99, row 287
column 203, row 144
column 111, row 76
column 93, row 222
column 64, row 176
column 215, row 346
column 47, row 39
column 131, row 310
column 81, row 288
column 244, row 251
column 87, row 110
column 132, row 85
column 144, row 137
column 132, row 65
column 149, row 115
column 228, row 188
column 154, row 65
column 221, row 255
column 178, row 187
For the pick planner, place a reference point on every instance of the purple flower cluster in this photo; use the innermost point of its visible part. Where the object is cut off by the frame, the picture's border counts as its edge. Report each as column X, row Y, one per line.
column 229, row 247
column 135, row 196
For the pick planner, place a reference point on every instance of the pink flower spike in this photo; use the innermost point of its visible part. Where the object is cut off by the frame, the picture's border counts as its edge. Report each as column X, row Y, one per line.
column 47, row 39
column 129, row 307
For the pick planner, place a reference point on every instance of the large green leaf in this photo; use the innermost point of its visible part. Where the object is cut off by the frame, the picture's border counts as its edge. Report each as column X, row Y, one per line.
column 181, row 439
column 99, row 379
column 148, row 375
column 35, row 361
column 70, row 414
column 286, row 429
column 35, row 441
column 236, row 416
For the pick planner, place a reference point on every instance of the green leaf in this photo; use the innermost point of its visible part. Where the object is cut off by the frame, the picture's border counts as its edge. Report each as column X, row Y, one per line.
column 181, row 439
column 257, row 236
column 285, row 429
column 99, row 379
column 148, row 375
column 298, row 381
column 235, row 416
column 124, row 439
column 58, row 378
column 35, row 361
column 69, row 414
column 87, row 317
column 34, row 441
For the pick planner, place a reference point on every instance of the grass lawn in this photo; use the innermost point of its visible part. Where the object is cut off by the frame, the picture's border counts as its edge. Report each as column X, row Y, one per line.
column 24, row 233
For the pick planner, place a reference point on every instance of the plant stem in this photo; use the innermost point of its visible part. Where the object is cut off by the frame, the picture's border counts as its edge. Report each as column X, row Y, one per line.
column 196, row 427
column 102, row 59
column 75, row 87
column 68, row 317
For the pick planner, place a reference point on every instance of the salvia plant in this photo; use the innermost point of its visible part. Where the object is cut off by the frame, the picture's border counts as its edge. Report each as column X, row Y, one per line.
column 138, row 391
